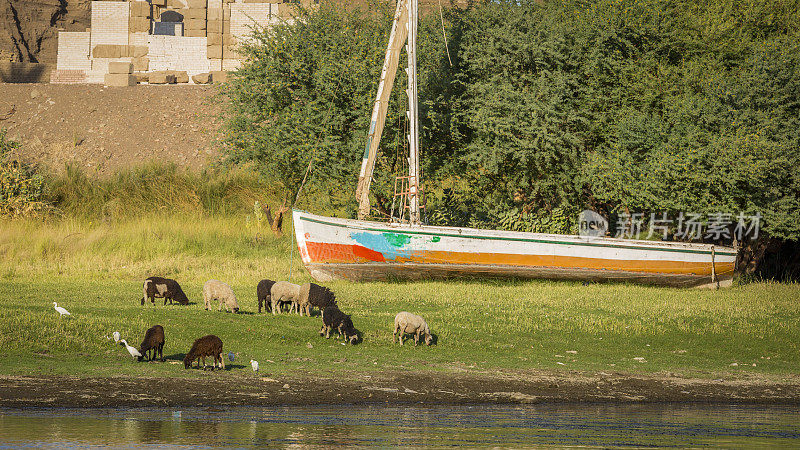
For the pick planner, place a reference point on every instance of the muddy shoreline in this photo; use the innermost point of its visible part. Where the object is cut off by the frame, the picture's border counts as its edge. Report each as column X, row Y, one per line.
column 224, row 389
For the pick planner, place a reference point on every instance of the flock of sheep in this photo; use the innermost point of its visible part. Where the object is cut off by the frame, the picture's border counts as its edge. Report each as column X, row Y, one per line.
column 273, row 296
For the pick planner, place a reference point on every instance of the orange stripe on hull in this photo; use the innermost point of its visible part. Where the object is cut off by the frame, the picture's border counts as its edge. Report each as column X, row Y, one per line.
column 343, row 253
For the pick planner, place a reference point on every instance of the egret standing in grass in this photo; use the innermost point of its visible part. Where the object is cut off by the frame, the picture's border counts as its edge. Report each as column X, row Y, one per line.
column 132, row 350
column 116, row 336
column 254, row 365
column 61, row 310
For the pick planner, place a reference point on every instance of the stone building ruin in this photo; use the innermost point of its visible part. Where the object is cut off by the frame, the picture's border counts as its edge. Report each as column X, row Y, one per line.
column 162, row 41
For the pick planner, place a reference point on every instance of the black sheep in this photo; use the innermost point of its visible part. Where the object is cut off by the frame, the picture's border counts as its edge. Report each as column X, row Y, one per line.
column 153, row 341
column 312, row 294
column 263, row 293
column 333, row 318
column 163, row 288
column 205, row 346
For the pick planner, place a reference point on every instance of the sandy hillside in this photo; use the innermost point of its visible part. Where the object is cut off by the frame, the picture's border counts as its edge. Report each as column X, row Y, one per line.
column 102, row 129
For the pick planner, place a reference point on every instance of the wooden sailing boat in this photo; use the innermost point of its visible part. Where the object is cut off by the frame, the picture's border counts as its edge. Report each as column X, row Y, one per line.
column 362, row 250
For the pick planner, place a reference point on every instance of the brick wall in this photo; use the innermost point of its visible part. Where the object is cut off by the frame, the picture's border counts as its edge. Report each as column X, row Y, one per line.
column 67, row 76
column 178, row 53
column 245, row 15
column 110, row 23
column 73, row 51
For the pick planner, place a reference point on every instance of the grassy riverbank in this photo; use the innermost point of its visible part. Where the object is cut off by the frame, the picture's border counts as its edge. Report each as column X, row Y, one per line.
column 95, row 271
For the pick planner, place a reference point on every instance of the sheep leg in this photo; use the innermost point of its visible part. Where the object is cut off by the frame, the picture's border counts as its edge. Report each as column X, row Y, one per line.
column 222, row 360
column 394, row 334
column 260, row 302
column 161, row 351
column 275, row 306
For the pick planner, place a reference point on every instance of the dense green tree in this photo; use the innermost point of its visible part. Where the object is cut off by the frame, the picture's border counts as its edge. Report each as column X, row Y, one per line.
column 542, row 109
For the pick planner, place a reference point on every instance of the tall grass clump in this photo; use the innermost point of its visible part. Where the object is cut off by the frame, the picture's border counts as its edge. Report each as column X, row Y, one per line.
column 157, row 189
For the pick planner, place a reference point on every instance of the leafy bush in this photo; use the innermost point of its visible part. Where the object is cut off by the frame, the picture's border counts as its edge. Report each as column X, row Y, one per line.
column 21, row 188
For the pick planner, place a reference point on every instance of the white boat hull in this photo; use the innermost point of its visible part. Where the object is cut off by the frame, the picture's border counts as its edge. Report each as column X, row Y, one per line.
column 333, row 248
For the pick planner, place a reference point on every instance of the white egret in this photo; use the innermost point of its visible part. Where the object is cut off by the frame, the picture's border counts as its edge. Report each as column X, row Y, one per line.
column 61, row 310
column 132, row 350
column 116, row 336
column 254, row 365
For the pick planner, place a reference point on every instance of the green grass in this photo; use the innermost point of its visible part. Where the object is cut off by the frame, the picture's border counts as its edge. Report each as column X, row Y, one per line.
column 95, row 269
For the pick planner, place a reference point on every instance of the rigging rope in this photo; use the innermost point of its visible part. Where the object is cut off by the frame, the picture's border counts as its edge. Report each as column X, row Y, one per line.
column 441, row 16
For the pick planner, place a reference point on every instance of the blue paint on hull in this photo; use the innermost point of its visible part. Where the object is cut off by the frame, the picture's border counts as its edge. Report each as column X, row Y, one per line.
column 390, row 245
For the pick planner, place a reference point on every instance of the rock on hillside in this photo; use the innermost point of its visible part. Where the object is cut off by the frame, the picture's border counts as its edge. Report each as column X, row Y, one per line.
column 29, row 28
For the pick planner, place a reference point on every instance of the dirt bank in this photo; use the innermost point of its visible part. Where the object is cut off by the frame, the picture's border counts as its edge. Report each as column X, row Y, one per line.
column 104, row 129
column 222, row 389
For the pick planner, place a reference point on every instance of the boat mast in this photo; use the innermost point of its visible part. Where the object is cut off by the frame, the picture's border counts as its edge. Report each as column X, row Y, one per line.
column 413, row 116
column 404, row 26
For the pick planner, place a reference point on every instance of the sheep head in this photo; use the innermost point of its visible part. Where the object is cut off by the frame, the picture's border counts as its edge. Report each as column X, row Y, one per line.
column 181, row 297
column 428, row 335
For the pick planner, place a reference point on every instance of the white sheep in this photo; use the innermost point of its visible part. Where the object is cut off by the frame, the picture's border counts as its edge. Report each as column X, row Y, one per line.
column 407, row 323
column 217, row 290
column 283, row 291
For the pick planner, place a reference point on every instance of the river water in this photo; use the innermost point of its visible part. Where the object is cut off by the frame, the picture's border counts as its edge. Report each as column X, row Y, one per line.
column 556, row 425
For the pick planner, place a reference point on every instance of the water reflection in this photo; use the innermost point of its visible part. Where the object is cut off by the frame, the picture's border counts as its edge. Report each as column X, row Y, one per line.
column 351, row 425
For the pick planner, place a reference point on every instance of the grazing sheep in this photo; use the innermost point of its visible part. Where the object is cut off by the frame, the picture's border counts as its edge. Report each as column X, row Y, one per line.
column 312, row 295
column 153, row 341
column 217, row 290
column 165, row 288
column 263, row 293
column 407, row 323
column 283, row 291
column 205, row 346
column 333, row 318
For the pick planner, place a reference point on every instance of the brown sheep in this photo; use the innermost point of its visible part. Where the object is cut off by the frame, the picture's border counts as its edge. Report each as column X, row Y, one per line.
column 166, row 288
column 153, row 340
column 264, row 295
column 334, row 319
column 205, row 346
column 311, row 295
